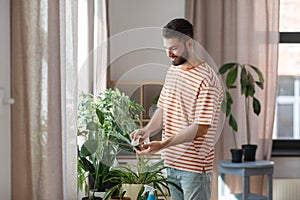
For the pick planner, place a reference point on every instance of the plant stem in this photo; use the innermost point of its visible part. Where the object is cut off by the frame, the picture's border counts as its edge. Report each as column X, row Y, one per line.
column 234, row 138
column 247, row 120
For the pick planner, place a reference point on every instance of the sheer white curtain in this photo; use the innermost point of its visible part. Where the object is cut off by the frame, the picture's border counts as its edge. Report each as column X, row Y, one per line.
column 93, row 28
column 246, row 32
column 43, row 66
column 92, row 48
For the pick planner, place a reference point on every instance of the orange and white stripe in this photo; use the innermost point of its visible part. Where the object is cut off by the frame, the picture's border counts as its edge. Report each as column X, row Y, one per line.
column 190, row 96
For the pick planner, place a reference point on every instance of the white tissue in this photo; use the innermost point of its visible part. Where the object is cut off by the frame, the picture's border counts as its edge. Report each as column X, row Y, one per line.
column 136, row 142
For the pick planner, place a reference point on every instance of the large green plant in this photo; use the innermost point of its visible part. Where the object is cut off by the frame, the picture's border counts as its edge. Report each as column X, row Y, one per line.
column 144, row 172
column 105, row 122
column 248, row 85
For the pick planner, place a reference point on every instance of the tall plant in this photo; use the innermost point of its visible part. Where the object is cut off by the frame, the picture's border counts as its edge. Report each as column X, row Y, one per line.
column 248, row 85
column 105, row 122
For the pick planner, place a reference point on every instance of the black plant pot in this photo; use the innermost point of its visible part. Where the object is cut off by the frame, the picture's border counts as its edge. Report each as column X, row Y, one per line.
column 249, row 152
column 236, row 155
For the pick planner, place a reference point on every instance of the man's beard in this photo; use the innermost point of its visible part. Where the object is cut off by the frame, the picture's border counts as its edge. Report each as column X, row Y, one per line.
column 179, row 60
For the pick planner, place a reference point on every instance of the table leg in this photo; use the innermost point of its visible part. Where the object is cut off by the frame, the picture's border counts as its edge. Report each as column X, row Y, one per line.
column 221, row 185
column 270, row 187
column 246, row 186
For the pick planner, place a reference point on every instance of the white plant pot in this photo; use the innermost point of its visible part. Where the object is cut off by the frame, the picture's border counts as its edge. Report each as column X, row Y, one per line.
column 132, row 190
column 97, row 194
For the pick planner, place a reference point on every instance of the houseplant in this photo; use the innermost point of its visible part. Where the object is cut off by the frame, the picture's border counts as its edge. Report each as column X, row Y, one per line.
column 104, row 124
column 144, row 173
column 248, row 87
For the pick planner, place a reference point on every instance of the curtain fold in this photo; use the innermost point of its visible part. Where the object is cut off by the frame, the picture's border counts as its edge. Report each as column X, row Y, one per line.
column 43, row 62
column 101, row 46
column 245, row 32
column 93, row 69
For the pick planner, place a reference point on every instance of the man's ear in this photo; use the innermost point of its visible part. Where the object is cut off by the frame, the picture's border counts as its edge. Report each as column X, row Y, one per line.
column 189, row 43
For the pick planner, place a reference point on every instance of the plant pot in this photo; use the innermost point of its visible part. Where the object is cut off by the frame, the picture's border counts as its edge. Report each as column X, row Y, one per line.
column 96, row 195
column 249, row 152
column 132, row 190
column 236, row 155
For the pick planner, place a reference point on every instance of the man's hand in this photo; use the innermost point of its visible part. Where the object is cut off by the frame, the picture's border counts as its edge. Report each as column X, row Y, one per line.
column 138, row 136
column 150, row 148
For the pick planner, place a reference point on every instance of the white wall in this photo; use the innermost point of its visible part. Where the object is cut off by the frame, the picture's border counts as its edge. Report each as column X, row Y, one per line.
column 130, row 14
column 286, row 167
column 136, row 43
column 5, row 142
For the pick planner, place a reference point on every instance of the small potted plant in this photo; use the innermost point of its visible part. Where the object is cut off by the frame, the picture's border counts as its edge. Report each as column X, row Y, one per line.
column 130, row 179
column 104, row 124
column 248, row 84
column 236, row 153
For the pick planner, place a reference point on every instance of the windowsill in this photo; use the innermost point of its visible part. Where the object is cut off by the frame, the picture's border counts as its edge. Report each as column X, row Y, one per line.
column 286, row 148
column 285, row 153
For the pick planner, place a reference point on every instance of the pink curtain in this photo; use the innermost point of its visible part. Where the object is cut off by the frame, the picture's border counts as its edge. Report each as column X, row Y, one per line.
column 246, row 32
column 43, row 67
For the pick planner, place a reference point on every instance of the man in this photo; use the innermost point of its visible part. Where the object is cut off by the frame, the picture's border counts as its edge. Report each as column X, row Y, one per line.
column 188, row 110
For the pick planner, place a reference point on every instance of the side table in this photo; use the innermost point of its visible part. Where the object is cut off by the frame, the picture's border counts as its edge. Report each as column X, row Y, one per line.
column 245, row 170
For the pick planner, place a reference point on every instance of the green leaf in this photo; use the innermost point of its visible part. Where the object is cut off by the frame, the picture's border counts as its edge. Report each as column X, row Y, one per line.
column 231, row 77
column 155, row 166
column 121, row 137
column 260, row 84
column 256, row 106
column 89, row 147
column 85, row 163
column 233, row 123
column 229, row 102
column 228, row 98
column 243, row 80
column 228, row 109
column 224, row 68
column 250, row 90
column 100, row 116
column 260, row 75
column 224, row 105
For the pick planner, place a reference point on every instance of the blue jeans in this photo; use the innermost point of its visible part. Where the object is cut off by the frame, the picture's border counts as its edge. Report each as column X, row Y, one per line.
column 194, row 186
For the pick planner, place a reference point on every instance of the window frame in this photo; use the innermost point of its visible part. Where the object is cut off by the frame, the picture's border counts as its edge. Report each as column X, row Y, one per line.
column 283, row 147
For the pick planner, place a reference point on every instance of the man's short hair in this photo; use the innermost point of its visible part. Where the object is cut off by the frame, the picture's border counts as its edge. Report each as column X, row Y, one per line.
column 180, row 28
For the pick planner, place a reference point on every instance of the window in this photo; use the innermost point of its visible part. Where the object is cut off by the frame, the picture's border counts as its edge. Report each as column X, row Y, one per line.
column 287, row 119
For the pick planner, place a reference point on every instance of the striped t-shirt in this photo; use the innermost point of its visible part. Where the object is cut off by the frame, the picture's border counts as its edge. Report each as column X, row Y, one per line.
column 190, row 96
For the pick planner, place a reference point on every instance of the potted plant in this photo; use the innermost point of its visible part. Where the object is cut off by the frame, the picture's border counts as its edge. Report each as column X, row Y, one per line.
column 104, row 124
column 144, row 173
column 248, row 86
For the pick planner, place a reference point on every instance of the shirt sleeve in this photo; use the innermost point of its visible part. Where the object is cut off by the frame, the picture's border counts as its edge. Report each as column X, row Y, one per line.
column 206, row 105
column 160, row 102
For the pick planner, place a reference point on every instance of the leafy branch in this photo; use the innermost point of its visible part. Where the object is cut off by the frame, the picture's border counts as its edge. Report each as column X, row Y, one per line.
column 247, row 89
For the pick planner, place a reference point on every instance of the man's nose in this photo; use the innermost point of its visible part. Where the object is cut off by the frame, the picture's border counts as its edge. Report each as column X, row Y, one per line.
column 169, row 53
